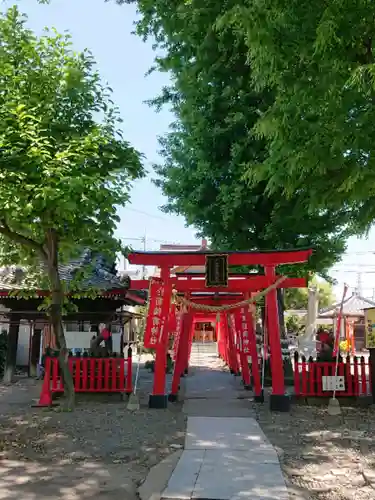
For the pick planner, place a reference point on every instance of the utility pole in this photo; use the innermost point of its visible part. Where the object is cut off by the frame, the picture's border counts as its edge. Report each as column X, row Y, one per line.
column 359, row 284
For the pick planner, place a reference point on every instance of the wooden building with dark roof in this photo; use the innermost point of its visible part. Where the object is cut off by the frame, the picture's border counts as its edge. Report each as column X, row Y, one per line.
column 104, row 297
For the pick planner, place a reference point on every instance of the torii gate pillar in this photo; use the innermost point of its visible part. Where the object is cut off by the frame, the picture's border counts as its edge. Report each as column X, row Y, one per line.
column 279, row 400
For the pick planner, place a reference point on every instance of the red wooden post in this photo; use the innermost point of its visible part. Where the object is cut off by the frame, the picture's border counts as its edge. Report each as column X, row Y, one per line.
column 219, row 337
column 224, row 331
column 158, row 398
column 85, row 385
column 363, row 376
column 182, row 355
column 106, row 373
column 356, row 376
column 279, row 401
column 121, row 381
column 224, row 335
column 245, row 370
column 304, row 376
column 177, row 369
column 190, row 346
column 297, row 390
column 114, row 374
column 254, row 358
column 232, row 351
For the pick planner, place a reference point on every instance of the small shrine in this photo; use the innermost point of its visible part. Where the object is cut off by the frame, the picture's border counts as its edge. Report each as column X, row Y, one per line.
column 353, row 322
column 28, row 327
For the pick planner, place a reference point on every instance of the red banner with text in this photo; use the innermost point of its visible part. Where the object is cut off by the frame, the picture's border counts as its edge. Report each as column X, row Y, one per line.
column 155, row 321
column 244, row 329
column 233, row 321
column 178, row 332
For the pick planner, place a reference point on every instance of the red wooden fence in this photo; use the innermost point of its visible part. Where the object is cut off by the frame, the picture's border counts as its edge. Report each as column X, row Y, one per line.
column 314, row 378
column 95, row 375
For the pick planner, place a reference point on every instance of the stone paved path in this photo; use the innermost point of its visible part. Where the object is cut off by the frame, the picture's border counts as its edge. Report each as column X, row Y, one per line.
column 226, row 454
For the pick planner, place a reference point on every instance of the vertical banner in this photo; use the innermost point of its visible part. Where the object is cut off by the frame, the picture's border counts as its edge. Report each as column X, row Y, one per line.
column 172, row 320
column 155, row 321
column 178, row 315
column 243, row 328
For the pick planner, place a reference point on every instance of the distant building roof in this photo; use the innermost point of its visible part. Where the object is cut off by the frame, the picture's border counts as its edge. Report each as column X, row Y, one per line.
column 353, row 306
column 186, row 248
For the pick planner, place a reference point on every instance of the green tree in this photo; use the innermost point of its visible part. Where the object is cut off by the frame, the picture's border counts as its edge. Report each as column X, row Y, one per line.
column 65, row 166
column 211, row 145
column 297, row 298
column 318, row 59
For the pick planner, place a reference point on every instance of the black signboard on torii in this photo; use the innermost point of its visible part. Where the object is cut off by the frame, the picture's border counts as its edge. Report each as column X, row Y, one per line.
column 216, row 270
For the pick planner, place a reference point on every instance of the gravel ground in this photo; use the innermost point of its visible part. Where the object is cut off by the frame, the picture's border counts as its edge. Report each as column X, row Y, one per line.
column 324, row 457
column 102, row 451
column 96, row 437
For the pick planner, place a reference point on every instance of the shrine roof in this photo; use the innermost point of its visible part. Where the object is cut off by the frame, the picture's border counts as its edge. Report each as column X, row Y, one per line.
column 101, row 276
column 352, row 306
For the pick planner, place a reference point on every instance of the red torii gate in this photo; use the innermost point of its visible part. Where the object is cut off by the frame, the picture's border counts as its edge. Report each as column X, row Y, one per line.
column 229, row 343
column 160, row 301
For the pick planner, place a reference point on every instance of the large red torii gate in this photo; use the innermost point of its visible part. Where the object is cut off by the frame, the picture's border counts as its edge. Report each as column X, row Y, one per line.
column 161, row 294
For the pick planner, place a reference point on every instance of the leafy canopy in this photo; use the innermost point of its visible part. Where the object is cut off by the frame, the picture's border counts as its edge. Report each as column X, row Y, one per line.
column 297, row 298
column 211, row 145
column 65, row 166
column 318, row 60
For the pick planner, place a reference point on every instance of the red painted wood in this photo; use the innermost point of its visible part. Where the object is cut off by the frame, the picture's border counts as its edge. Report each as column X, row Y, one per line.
column 253, row 283
column 106, row 374
column 273, row 330
column 308, row 382
column 170, row 259
column 162, row 345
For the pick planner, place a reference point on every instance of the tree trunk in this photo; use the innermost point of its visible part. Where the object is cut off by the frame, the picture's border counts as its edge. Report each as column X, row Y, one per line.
column 12, row 345
column 57, row 298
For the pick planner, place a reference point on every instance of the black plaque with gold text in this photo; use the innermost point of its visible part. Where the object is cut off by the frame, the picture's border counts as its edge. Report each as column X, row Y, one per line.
column 216, row 270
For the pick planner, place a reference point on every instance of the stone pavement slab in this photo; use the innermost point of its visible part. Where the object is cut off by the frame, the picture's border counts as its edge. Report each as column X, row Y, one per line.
column 226, row 459
column 258, row 481
column 226, row 455
column 236, row 433
column 224, row 407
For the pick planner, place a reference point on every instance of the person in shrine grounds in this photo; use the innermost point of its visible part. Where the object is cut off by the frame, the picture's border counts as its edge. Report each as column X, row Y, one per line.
column 327, row 341
column 103, row 335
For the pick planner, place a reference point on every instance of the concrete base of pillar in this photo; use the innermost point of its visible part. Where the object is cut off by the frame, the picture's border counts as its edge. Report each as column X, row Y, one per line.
column 173, row 398
column 260, row 397
column 280, row 402
column 158, row 401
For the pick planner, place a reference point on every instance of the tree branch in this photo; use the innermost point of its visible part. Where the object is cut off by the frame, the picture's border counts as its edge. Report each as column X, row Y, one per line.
column 20, row 239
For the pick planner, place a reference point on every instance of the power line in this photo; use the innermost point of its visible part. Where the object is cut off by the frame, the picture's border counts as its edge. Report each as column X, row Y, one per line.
column 154, row 216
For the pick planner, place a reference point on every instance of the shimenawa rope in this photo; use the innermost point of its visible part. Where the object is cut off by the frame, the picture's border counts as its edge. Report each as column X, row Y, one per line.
column 226, row 307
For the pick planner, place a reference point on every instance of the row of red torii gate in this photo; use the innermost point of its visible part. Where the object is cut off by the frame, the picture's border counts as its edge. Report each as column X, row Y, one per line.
column 178, row 300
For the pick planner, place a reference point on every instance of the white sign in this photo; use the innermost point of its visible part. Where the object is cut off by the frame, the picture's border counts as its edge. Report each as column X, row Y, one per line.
column 333, row 383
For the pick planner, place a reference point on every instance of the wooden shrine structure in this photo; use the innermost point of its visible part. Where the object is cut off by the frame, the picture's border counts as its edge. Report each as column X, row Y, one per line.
column 21, row 300
column 175, row 302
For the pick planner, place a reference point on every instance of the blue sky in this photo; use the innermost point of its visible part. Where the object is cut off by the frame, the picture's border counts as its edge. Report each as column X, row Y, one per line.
column 123, row 60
